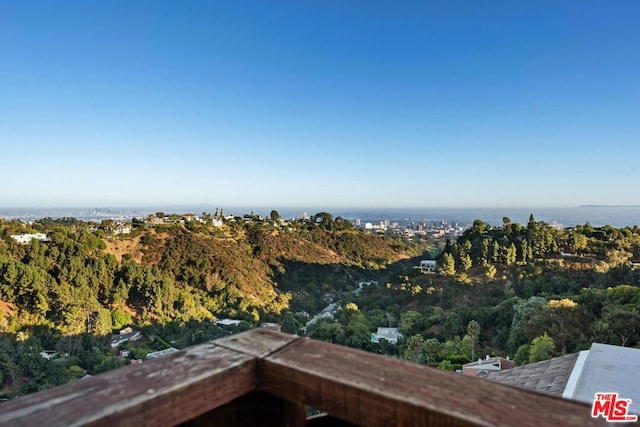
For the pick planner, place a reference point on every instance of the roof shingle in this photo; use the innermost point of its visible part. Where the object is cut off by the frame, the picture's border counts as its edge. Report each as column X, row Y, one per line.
column 548, row 376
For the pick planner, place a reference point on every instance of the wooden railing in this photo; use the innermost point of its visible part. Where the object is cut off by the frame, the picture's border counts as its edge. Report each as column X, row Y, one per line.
column 266, row 378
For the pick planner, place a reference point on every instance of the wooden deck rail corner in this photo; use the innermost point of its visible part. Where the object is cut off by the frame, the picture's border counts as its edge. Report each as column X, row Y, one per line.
column 261, row 377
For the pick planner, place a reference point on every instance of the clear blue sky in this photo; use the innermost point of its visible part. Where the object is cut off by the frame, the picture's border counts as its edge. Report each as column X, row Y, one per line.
column 320, row 103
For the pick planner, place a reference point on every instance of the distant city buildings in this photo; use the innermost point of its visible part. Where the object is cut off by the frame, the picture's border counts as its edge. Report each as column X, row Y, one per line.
column 436, row 230
column 122, row 221
column 402, row 228
column 557, row 225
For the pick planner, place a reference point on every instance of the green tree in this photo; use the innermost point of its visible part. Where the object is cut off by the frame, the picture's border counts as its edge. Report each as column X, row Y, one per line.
column 101, row 322
column 578, row 243
column 523, row 312
column 542, row 348
column 473, row 330
column 290, row 324
column 120, row 319
column 465, row 261
column 622, row 321
column 485, row 252
column 532, row 223
column 563, row 313
column 620, row 316
column 466, row 347
column 446, row 365
column 495, row 251
column 511, row 255
column 490, row 271
column 522, row 355
column 448, row 267
column 452, row 324
column 411, row 323
column 414, row 349
column 432, row 348
column 419, row 350
column 527, row 252
column 325, row 219
column 328, row 330
column 359, row 334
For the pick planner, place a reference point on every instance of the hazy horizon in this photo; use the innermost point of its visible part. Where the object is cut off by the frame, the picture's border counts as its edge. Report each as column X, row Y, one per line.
column 617, row 216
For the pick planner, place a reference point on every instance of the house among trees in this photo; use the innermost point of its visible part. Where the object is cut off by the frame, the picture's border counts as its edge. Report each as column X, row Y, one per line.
column 228, row 322
column 156, row 354
column 484, row 366
column 26, row 238
column 121, row 228
column 428, row 266
column 154, row 220
column 126, row 334
column 48, row 354
column 391, row 335
column 272, row 326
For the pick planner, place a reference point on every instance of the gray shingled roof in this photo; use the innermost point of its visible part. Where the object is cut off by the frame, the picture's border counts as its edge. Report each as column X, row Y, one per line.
column 609, row 368
column 549, row 376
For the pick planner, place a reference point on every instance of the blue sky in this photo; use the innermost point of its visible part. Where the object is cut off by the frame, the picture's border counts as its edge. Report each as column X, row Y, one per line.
column 320, row 103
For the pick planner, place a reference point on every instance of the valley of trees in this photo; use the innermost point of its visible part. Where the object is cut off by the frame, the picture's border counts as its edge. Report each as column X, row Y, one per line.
column 527, row 291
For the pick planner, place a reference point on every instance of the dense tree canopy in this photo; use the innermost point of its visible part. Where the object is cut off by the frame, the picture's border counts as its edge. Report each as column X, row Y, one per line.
column 69, row 293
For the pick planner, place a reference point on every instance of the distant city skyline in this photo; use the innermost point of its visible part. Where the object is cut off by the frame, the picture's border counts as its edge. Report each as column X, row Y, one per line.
column 321, row 104
column 597, row 216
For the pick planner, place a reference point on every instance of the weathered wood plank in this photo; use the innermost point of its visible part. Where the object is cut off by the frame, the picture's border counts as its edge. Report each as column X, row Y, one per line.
column 288, row 372
column 162, row 392
column 257, row 342
column 370, row 390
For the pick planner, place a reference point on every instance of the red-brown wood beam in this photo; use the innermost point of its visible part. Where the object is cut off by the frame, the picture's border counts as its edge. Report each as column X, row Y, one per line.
column 161, row 392
column 370, row 390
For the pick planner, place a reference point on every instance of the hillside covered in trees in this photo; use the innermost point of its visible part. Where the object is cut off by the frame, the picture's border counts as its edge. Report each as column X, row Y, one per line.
column 172, row 277
column 530, row 292
column 526, row 291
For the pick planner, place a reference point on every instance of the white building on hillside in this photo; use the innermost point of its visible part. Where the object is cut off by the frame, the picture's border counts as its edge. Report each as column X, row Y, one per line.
column 391, row 335
column 26, row 238
column 428, row 266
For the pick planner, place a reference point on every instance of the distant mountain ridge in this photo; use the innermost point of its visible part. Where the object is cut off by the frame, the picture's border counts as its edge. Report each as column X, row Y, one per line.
column 609, row 206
